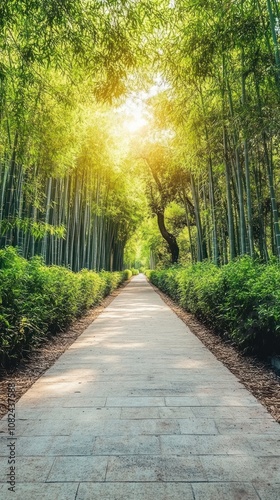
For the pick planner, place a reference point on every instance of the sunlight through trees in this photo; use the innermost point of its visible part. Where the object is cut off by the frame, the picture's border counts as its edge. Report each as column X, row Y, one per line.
column 155, row 117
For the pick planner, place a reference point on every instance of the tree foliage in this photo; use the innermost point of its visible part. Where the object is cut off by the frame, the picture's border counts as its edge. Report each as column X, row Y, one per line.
column 220, row 62
column 67, row 185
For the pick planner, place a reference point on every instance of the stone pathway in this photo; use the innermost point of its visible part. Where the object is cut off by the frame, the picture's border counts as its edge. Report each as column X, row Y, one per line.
column 138, row 408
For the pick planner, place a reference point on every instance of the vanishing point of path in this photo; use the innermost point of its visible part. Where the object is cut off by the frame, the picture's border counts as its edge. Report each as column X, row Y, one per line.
column 137, row 408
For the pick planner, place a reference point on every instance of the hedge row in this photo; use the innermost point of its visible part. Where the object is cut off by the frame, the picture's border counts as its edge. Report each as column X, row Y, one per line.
column 130, row 272
column 37, row 300
column 240, row 301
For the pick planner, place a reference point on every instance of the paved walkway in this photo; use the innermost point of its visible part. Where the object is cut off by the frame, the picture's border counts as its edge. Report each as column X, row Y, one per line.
column 138, row 408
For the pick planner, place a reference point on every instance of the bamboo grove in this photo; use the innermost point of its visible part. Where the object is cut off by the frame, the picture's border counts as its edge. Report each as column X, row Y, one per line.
column 59, row 191
column 207, row 163
column 224, row 71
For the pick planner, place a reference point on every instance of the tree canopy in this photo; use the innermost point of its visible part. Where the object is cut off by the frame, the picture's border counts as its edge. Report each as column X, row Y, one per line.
column 143, row 129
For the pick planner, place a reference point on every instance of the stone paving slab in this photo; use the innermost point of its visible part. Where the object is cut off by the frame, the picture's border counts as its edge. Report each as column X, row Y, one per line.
column 41, row 491
column 137, row 408
column 128, row 491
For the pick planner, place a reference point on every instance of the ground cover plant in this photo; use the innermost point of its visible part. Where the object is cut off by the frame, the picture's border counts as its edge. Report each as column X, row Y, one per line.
column 38, row 300
column 240, row 301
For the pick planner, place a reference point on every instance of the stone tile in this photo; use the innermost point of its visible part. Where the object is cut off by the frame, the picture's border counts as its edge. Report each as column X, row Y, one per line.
column 75, row 400
column 204, row 445
column 157, row 392
column 42, row 491
column 88, row 428
column 77, row 373
column 50, row 446
column 81, row 401
column 121, row 445
column 77, row 468
column 197, row 426
column 135, row 468
column 135, row 401
column 39, row 402
column 140, row 413
column 51, row 391
column 167, row 426
column 183, row 468
column 176, row 412
column 28, row 469
column 182, row 401
column 135, row 491
column 241, row 468
column 268, row 491
column 233, row 400
column 224, row 491
column 246, row 426
column 234, row 412
column 138, row 427
column 227, row 388
column 60, row 427
column 20, row 426
column 32, row 413
column 70, row 413
column 265, row 445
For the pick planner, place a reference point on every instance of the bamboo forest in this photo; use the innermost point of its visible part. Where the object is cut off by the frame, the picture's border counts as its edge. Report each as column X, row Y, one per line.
column 140, row 135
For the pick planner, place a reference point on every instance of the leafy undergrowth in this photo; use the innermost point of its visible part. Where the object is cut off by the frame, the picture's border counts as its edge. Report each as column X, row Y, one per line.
column 240, row 301
column 128, row 273
column 37, row 300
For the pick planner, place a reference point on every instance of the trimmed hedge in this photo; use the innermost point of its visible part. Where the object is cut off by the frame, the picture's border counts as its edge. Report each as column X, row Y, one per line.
column 127, row 274
column 240, row 301
column 37, row 300
column 134, row 271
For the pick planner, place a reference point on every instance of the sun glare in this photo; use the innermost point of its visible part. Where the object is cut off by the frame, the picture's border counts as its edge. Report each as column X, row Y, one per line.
column 134, row 115
column 135, row 121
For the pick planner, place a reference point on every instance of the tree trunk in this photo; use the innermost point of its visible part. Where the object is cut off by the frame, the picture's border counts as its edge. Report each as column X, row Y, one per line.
column 274, row 38
column 169, row 238
column 201, row 244
column 188, row 224
column 269, row 167
column 237, row 166
column 211, row 187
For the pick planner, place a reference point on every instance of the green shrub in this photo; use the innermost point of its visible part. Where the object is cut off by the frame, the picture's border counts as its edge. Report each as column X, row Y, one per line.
column 37, row 300
column 240, row 301
column 166, row 280
column 127, row 274
column 111, row 280
column 148, row 273
column 135, row 272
